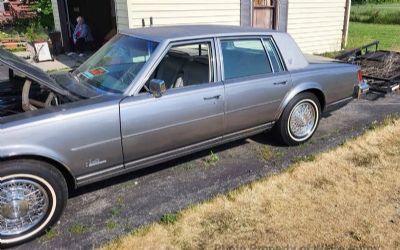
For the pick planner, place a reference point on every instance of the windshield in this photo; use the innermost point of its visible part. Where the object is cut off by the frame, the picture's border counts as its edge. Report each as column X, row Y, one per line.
column 116, row 64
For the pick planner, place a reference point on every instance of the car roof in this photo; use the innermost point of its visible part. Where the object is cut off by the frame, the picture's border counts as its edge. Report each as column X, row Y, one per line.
column 183, row 32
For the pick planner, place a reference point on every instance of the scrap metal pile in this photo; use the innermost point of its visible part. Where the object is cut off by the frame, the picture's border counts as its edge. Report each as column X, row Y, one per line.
column 381, row 68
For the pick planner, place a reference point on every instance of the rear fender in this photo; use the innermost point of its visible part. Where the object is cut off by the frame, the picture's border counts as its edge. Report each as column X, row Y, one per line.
column 299, row 88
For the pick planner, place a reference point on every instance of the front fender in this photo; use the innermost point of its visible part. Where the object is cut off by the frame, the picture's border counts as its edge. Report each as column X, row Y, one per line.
column 35, row 151
column 313, row 86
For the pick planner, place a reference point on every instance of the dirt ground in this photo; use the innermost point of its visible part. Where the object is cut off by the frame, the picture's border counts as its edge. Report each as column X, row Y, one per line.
column 101, row 212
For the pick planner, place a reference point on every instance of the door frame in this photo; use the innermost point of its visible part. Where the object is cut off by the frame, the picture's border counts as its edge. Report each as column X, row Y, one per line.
column 152, row 65
column 260, row 37
column 64, row 19
column 65, row 23
column 275, row 12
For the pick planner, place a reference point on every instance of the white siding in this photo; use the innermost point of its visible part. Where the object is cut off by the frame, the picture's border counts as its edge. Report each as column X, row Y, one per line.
column 177, row 12
column 57, row 25
column 121, row 9
column 317, row 25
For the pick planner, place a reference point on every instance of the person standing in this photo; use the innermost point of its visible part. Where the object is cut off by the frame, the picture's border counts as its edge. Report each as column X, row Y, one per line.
column 81, row 35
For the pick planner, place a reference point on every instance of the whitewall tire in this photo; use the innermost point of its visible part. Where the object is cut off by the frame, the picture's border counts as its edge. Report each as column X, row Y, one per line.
column 299, row 120
column 33, row 195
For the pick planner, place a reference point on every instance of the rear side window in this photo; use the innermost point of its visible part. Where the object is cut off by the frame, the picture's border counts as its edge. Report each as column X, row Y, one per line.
column 244, row 57
column 273, row 55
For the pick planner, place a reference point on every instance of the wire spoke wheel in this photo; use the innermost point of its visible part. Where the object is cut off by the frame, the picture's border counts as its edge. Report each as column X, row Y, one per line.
column 303, row 119
column 33, row 195
column 23, row 205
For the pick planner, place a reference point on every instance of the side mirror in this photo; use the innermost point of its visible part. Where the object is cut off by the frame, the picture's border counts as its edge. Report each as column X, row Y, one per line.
column 157, row 87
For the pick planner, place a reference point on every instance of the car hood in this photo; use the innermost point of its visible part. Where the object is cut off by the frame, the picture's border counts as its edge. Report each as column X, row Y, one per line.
column 32, row 72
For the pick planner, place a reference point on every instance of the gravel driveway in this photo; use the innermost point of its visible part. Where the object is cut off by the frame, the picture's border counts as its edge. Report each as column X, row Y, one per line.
column 101, row 212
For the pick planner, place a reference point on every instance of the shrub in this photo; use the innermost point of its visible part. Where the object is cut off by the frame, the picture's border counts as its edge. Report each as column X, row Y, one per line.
column 374, row 1
column 35, row 32
column 44, row 10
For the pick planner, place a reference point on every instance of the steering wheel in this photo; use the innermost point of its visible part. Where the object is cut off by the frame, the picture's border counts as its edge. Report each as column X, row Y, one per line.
column 32, row 104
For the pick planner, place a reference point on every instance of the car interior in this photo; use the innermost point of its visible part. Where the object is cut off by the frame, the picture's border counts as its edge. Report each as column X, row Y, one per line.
column 185, row 66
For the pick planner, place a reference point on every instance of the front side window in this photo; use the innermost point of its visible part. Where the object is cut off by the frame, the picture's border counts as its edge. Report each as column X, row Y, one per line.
column 113, row 68
column 185, row 65
column 244, row 57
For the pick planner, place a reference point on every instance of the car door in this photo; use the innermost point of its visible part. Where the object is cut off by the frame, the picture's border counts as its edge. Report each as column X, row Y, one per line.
column 255, row 81
column 188, row 114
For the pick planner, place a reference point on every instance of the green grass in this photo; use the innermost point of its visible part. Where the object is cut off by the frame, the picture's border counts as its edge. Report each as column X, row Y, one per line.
column 111, row 225
column 304, row 158
column 26, row 31
column 212, row 159
column 78, row 229
column 268, row 154
column 169, row 218
column 363, row 33
column 376, row 13
column 50, row 235
column 115, row 211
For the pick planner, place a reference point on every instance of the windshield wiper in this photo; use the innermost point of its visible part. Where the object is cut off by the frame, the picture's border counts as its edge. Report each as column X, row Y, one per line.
column 74, row 76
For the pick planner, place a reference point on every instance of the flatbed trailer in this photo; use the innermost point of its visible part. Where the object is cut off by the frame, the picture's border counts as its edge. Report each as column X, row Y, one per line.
column 381, row 68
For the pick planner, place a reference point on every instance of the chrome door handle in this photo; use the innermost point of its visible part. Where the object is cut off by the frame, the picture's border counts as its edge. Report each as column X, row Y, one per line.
column 212, row 97
column 280, row 83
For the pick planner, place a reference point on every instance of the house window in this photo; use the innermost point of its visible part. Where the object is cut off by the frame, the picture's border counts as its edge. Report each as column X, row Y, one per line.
column 264, row 13
column 264, row 3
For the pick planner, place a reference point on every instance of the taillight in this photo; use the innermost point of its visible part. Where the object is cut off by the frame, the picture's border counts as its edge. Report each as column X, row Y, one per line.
column 360, row 76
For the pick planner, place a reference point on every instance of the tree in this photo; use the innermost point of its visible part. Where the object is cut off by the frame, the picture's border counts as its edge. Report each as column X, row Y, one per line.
column 44, row 9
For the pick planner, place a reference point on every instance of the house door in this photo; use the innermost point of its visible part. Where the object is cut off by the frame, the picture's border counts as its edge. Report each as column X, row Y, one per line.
column 99, row 15
column 265, row 14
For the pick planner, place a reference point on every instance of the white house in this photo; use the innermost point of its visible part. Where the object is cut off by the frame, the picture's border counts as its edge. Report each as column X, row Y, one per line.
column 317, row 25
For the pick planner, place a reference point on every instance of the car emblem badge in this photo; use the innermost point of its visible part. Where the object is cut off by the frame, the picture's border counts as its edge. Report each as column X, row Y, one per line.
column 93, row 163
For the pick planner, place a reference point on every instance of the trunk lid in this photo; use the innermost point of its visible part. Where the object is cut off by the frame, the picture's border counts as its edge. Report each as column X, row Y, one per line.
column 313, row 59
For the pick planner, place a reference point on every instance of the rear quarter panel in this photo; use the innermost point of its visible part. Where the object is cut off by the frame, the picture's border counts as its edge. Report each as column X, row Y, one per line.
column 335, row 80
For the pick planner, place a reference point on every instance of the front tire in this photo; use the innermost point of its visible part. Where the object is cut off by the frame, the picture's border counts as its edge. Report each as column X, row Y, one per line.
column 33, row 196
column 299, row 120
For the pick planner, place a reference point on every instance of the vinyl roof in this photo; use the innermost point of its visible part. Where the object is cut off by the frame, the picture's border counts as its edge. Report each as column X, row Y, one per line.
column 291, row 53
column 180, row 32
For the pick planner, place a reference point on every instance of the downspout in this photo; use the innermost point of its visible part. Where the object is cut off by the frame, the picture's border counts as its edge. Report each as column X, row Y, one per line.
column 282, row 12
column 346, row 23
column 251, row 13
column 276, row 15
column 245, row 13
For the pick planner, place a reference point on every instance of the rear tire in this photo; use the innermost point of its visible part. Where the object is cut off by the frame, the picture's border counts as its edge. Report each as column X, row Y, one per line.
column 33, row 195
column 299, row 120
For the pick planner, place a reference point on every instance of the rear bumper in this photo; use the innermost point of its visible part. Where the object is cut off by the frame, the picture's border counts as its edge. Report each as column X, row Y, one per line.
column 360, row 89
column 337, row 105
